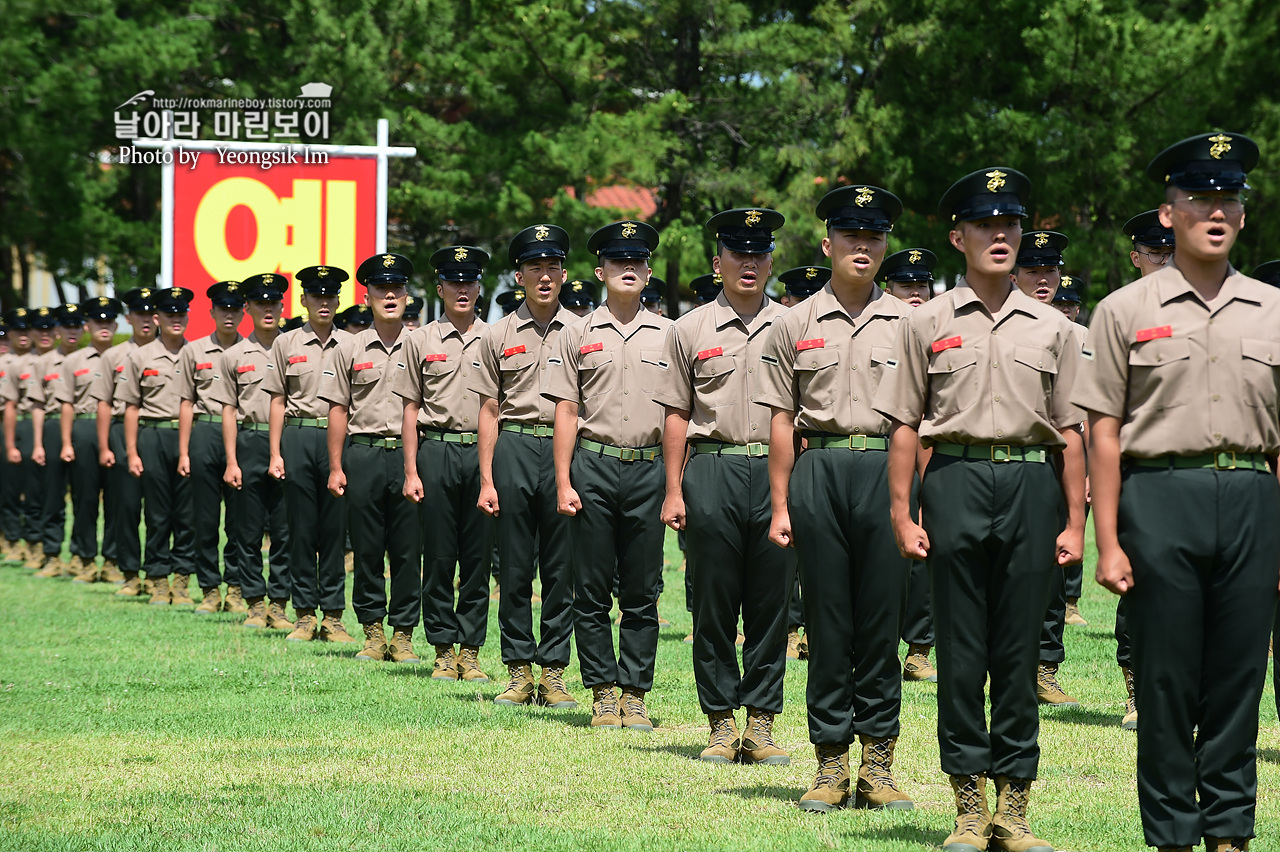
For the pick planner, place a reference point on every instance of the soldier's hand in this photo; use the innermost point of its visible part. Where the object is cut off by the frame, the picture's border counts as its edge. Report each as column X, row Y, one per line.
column 413, row 488
column 1114, row 571
column 184, row 465
column 568, row 502
column 135, row 466
column 337, row 483
column 276, row 467
column 488, row 502
column 37, row 456
column 14, row 456
column 913, row 541
column 780, row 529
column 1070, row 547
column 106, row 458
column 68, row 454
column 673, row 511
column 233, row 477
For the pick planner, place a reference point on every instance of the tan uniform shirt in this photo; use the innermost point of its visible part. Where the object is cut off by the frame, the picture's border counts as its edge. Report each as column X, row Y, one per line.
column 358, row 376
column 513, row 364
column 199, row 367
column 242, row 369
column 612, row 371
column 715, row 373
column 20, row 381
column 1183, row 376
column 298, row 357
column 436, row 366
column 150, row 381
column 963, row 376
column 825, row 365
column 48, row 372
column 76, row 378
column 110, row 373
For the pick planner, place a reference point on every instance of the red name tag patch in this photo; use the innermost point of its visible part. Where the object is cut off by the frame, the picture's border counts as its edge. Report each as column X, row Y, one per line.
column 1145, row 334
column 207, row 365
column 297, row 359
column 591, row 347
column 51, row 377
column 24, row 376
column 83, row 372
column 436, row 356
column 367, row 365
column 246, row 368
column 150, row 372
column 120, row 369
column 514, row 350
column 815, row 343
column 944, row 345
column 710, row 353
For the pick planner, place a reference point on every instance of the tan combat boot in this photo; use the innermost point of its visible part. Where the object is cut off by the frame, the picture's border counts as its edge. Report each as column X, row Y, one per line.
column 635, row 715
column 160, row 591
column 34, row 555
column 1047, row 689
column 211, row 602
column 132, row 587
column 276, row 618
column 469, row 665
column 179, row 590
column 793, row 644
column 604, row 707
column 876, row 787
column 349, row 562
column 332, row 629
column 804, row 645
column 1130, row 721
column 758, row 745
column 304, row 629
column 51, row 566
column 973, row 820
column 111, row 572
column 551, row 689
column 1226, row 844
column 257, row 618
column 375, row 643
column 917, row 666
column 830, row 788
column 234, row 602
column 1009, row 828
column 520, row 688
column 1073, row 615
column 145, row 591
column 400, row 649
column 83, row 570
column 725, row 739
column 446, row 665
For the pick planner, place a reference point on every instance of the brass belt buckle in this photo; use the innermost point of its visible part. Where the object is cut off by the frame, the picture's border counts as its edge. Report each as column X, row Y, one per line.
column 755, row 449
column 466, row 438
column 627, row 454
column 1001, row 452
column 542, row 431
column 1220, row 457
column 857, row 442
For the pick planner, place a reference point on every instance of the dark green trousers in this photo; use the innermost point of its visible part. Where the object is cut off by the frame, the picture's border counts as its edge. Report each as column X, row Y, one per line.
column 1204, row 546
column 993, row 530
column 53, row 512
column 88, row 481
column 738, row 571
column 122, row 507
column 917, row 622
column 166, row 502
column 856, row 584
column 1124, row 650
column 11, row 487
column 532, row 538
column 258, row 508
column 30, row 479
column 208, row 496
column 457, row 539
column 795, row 607
column 618, row 532
column 384, row 528
column 317, row 521
column 1068, row 583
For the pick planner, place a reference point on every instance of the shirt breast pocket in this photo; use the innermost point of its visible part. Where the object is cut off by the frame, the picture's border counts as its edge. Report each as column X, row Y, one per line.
column 365, row 382
column 594, row 375
column 1259, row 360
column 713, row 381
column 297, row 378
column 435, row 374
column 1158, row 372
column 652, row 372
column 818, row 377
column 953, row 380
column 1033, row 377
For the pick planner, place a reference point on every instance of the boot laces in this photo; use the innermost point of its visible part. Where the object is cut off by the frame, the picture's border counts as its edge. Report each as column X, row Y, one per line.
column 634, row 704
column 606, row 700
column 762, row 728
column 1015, row 799
column 1048, row 679
column 970, row 796
column 517, row 676
column 879, row 758
column 554, row 678
column 722, row 729
column 830, row 767
column 469, row 658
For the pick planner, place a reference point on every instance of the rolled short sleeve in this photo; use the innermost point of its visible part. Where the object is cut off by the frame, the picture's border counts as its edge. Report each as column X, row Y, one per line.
column 222, row 391
column 486, row 375
column 562, row 366
column 273, row 383
column 676, row 391
column 777, row 370
column 335, row 377
column 129, row 381
column 1103, row 381
column 902, row 394
column 407, row 381
column 1062, row 412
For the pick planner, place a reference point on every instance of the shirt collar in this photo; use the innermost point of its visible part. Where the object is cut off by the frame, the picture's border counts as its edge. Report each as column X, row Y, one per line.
column 525, row 318
column 602, row 316
column 1172, row 284
column 446, row 329
column 369, row 339
column 724, row 314
column 962, row 296
column 826, row 304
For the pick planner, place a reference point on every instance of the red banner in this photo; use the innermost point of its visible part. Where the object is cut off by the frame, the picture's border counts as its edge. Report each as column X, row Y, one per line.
column 233, row 221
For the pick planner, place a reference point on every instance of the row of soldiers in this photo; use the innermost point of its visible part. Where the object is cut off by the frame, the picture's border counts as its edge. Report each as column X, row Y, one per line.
column 842, row 437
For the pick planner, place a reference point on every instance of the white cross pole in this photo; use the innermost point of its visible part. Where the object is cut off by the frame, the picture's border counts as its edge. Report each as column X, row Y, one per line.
column 382, row 151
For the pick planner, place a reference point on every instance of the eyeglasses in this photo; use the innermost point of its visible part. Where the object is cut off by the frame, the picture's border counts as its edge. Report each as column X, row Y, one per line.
column 1205, row 203
column 1157, row 256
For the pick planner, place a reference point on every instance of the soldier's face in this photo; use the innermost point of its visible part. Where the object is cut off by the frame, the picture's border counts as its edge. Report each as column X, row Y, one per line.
column 914, row 293
column 743, row 273
column 172, row 325
column 1148, row 258
column 855, row 255
column 226, row 319
column 653, row 307
column 69, row 338
column 1038, row 282
column 264, row 314
column 1070, row 310
column 625, row 276
column 1199, row 234
column 144, row 326
column 410, row 323
column 990, row 245
column 541, row 279
column 387, row 301
column 320, row 309
column 45, row 339
column 21, row 340
column 101, row 331
column 459, row 297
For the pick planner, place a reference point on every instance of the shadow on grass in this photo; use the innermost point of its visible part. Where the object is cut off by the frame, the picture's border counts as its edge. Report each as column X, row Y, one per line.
column 1269, row 755
column 874, row 838
column 1082, row 716
column 765, row 791
column 689, row 752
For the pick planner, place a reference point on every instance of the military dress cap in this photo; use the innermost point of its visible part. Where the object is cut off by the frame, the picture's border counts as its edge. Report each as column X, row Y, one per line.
column 413, row 307
column 18, row 318
column 1145, row 229
column 914, row 264
column 460, row 263
column 44, row 317
column 140, row 300
column 1210, row 161
column 267, row 287
column 624, row 240
column 652, row 292
column 1268, row 273
column 804, row 281
column 746, row 229
column 174, row 300
column 290, row 323
column 70, row 316
column 321, row 280
column 1041, row 248
column 226, row 294
column 102, row 308
column 706, row 287
column 538, row 241
column 357, row 315
column 509, row 300
column 579, row 293
column 1070, row 289
column 860, row 208
column 385, row 269
column 994, row 191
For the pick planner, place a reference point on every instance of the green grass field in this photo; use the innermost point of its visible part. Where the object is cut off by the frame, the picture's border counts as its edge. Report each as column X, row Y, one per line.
column 130, row 727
